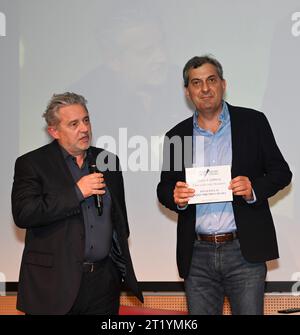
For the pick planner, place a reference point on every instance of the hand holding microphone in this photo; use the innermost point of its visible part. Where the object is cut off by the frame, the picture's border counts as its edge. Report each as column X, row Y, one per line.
column 98, row 197
column 93, row 184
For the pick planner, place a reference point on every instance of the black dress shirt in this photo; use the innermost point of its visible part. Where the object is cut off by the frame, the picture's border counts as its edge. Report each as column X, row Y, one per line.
column 98, row 229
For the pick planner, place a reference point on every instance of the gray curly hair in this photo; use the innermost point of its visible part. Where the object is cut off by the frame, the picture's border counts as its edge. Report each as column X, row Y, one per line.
column 61, row 100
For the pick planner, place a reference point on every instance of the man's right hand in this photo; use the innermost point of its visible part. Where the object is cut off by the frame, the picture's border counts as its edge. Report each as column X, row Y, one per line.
column 91, row 184
column 182, row 193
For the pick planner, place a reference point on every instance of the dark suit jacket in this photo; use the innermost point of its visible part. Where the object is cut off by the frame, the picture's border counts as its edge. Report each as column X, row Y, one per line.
column 44, row 201
column 256, row 155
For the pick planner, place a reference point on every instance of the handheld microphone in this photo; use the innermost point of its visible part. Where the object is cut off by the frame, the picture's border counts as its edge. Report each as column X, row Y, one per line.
column 98, row 197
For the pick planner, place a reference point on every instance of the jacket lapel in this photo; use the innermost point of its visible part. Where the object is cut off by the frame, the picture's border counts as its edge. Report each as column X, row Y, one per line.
column 186, row 134
column 236, row 135
column 58, row 158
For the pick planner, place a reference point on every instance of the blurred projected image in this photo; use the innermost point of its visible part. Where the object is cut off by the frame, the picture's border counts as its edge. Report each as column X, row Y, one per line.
column 136, row 84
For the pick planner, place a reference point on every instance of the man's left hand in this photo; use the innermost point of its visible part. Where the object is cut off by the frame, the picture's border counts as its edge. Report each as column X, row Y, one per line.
column 241, row 185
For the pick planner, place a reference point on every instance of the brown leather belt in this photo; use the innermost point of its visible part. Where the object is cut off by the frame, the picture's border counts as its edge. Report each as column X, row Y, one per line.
column 217, row 238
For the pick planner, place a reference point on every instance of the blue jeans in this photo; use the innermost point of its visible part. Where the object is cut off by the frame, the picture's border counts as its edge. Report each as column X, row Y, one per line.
column 218, row 270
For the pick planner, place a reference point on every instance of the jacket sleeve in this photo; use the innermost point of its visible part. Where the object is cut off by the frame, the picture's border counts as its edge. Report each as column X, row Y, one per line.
column 277, row 174
column 122, row 199
column 115, row 181
column 169, row 176
column 33, row 205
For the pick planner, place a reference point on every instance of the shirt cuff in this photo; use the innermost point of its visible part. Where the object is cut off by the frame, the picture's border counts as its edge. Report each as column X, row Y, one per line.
column 79, row 194
column 182, row 208
column 254, row 198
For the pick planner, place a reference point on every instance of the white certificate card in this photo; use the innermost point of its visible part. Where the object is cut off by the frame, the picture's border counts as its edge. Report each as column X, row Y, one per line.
column 210, row 183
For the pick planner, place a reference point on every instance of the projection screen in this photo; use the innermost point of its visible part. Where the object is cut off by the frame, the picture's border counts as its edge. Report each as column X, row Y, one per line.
column 126, row 58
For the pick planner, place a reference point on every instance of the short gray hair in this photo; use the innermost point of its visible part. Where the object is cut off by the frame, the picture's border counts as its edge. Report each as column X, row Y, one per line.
column 62, row 100
column 198, row 61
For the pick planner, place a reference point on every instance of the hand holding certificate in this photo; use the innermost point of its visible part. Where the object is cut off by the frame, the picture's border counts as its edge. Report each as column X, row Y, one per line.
column 210, row 183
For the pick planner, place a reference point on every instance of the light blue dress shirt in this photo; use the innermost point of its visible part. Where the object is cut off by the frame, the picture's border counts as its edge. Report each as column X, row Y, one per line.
column 211, row 149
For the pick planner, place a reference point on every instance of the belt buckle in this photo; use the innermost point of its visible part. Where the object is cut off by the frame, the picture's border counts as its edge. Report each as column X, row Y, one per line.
column 216, row 237
column 89, row 267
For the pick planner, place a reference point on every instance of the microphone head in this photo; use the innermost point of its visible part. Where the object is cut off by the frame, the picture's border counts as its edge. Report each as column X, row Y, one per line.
column 93, row 168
